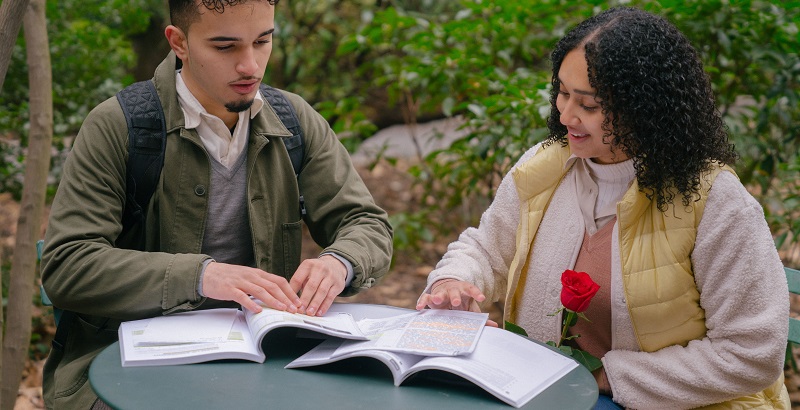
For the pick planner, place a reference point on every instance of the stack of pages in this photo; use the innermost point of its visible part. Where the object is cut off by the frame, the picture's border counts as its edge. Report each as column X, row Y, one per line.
column 511, row 367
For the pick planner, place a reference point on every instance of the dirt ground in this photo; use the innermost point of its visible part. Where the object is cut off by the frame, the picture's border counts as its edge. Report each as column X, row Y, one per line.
column 401, row 287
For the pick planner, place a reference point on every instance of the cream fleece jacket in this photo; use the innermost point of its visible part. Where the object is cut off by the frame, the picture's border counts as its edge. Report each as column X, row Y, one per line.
column 737, row 270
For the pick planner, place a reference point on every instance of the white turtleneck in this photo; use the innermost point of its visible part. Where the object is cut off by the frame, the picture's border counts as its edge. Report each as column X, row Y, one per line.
column 599, row 188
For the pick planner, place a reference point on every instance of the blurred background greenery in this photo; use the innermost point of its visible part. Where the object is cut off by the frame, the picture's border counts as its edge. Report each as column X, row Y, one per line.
column 369, row 64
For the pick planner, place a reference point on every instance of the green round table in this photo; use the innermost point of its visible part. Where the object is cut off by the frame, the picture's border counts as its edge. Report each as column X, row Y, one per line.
column 350, row 384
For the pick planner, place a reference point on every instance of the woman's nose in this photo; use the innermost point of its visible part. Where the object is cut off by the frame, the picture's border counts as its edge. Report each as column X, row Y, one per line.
column 568, row 116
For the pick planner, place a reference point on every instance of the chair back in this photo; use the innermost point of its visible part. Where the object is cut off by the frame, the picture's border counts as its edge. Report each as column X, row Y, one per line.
column 793, row 279
column 46, row 300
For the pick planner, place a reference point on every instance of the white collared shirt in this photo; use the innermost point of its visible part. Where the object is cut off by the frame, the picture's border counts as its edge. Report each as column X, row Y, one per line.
column 215, row 135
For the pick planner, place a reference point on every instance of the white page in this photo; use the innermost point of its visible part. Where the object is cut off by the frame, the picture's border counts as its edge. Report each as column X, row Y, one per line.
column 329, row 351
column 237, row 345
column 427, row 332
column 209, row 326
column 514, row 368
column 333, row 323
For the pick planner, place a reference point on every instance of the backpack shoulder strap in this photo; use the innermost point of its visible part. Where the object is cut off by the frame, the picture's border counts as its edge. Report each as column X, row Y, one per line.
column 147, row 142
column 294, row 144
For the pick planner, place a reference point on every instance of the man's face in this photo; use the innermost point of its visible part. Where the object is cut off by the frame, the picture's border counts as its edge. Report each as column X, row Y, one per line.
column 225, row 55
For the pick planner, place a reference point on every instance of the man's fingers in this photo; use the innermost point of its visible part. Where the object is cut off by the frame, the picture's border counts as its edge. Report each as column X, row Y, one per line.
column 248, row 303
column 319, row 282
column 238, row 283
column 298, row 280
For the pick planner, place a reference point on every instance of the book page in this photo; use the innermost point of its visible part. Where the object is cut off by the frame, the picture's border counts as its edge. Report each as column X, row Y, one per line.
column 507, row 365
column 334, row 324
column 427, row 332
column 326, row 352
column 212, row 325
column 238, row 344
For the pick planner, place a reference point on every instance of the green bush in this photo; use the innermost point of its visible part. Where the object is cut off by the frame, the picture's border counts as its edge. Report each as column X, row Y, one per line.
column 91, row 57
column 486, row 61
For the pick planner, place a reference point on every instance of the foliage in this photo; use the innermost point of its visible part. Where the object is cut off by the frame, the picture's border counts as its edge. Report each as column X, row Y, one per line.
column 365, row 64
column 309, row 59
column 486, row 61
column 90, row 57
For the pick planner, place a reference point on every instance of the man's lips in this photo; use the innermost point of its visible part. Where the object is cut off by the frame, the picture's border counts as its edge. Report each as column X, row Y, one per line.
column 244, row 87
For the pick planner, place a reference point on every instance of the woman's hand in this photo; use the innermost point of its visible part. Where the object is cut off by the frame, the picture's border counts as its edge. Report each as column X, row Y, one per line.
column 453, row 294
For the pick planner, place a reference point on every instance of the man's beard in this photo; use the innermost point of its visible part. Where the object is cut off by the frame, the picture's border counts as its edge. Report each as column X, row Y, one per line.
column 239, row 106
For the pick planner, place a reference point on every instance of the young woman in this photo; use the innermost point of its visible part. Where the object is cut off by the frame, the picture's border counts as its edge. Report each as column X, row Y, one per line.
column 633, row 186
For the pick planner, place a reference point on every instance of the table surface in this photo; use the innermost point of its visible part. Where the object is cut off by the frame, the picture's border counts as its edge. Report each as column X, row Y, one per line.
column 357, row 383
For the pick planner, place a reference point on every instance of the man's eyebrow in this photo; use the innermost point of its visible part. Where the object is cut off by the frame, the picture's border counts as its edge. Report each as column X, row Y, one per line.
column 224, row 38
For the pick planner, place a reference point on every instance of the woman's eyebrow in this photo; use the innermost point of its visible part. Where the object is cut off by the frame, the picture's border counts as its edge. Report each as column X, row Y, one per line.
column 579, row 91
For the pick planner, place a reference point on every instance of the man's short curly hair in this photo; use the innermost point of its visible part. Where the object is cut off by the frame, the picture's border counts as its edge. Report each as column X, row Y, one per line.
column 182, row 13
column 656, row 99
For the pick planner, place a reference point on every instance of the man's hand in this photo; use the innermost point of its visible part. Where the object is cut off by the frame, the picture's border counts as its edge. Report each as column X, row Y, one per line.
column 318, row 281
column 237, row 283
column 453, row 294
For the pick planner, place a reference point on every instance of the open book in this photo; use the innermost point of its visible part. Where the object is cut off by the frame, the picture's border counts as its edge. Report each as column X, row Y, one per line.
column 204, row 335
column 511, row 367
column 200, row 336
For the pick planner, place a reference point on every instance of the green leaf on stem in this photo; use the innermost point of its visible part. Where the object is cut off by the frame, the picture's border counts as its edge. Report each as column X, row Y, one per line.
column 588, row 361
column 513, row 328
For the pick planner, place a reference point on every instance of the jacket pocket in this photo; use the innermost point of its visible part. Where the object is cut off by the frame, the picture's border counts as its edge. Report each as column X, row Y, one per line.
column 292, row 244
column 67, row 371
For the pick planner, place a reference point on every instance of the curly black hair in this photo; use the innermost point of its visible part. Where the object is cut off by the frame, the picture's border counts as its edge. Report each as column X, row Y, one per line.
column 182, row 13
column 657, row 101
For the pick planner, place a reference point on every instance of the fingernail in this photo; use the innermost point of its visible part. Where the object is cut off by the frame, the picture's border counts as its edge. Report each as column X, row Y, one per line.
column 310, row 311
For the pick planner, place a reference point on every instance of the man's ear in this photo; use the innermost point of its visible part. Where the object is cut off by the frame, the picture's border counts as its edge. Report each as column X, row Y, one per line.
column 177, row 41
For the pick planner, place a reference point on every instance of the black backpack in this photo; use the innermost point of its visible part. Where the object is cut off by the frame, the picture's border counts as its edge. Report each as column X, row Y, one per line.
column 147, row 143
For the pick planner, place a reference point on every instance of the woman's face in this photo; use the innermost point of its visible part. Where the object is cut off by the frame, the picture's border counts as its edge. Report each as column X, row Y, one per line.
column 581, row 112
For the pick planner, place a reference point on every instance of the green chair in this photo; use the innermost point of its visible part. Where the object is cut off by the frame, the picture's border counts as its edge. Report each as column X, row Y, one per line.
column 46, row 300
column 793, row 278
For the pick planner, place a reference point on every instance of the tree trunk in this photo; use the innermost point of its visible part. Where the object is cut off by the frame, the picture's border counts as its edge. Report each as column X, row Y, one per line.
column 11, row 12
column 29, row 225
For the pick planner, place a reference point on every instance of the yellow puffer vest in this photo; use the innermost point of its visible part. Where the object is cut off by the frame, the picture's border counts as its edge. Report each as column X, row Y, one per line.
column 655, row 248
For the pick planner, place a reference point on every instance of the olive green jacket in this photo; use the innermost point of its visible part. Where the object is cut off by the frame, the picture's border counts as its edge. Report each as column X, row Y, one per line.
column 87, row 268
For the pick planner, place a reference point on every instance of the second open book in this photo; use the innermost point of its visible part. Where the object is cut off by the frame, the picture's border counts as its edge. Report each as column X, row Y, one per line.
column 510, row 367
column 206, row 335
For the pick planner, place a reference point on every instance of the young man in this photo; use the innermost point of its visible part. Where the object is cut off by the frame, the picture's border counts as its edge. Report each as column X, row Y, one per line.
column 224, row 222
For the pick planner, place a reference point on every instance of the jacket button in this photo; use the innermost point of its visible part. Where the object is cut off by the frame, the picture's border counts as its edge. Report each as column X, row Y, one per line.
column 199, row 190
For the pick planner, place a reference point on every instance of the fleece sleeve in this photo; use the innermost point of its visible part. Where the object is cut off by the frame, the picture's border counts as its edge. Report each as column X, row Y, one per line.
column 745, row 297
column 482, row 255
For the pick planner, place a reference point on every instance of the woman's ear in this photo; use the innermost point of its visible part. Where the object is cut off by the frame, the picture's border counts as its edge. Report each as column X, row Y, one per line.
column 177, row 41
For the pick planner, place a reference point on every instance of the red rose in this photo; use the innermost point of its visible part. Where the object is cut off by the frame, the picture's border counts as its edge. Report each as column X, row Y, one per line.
column 577, row 290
